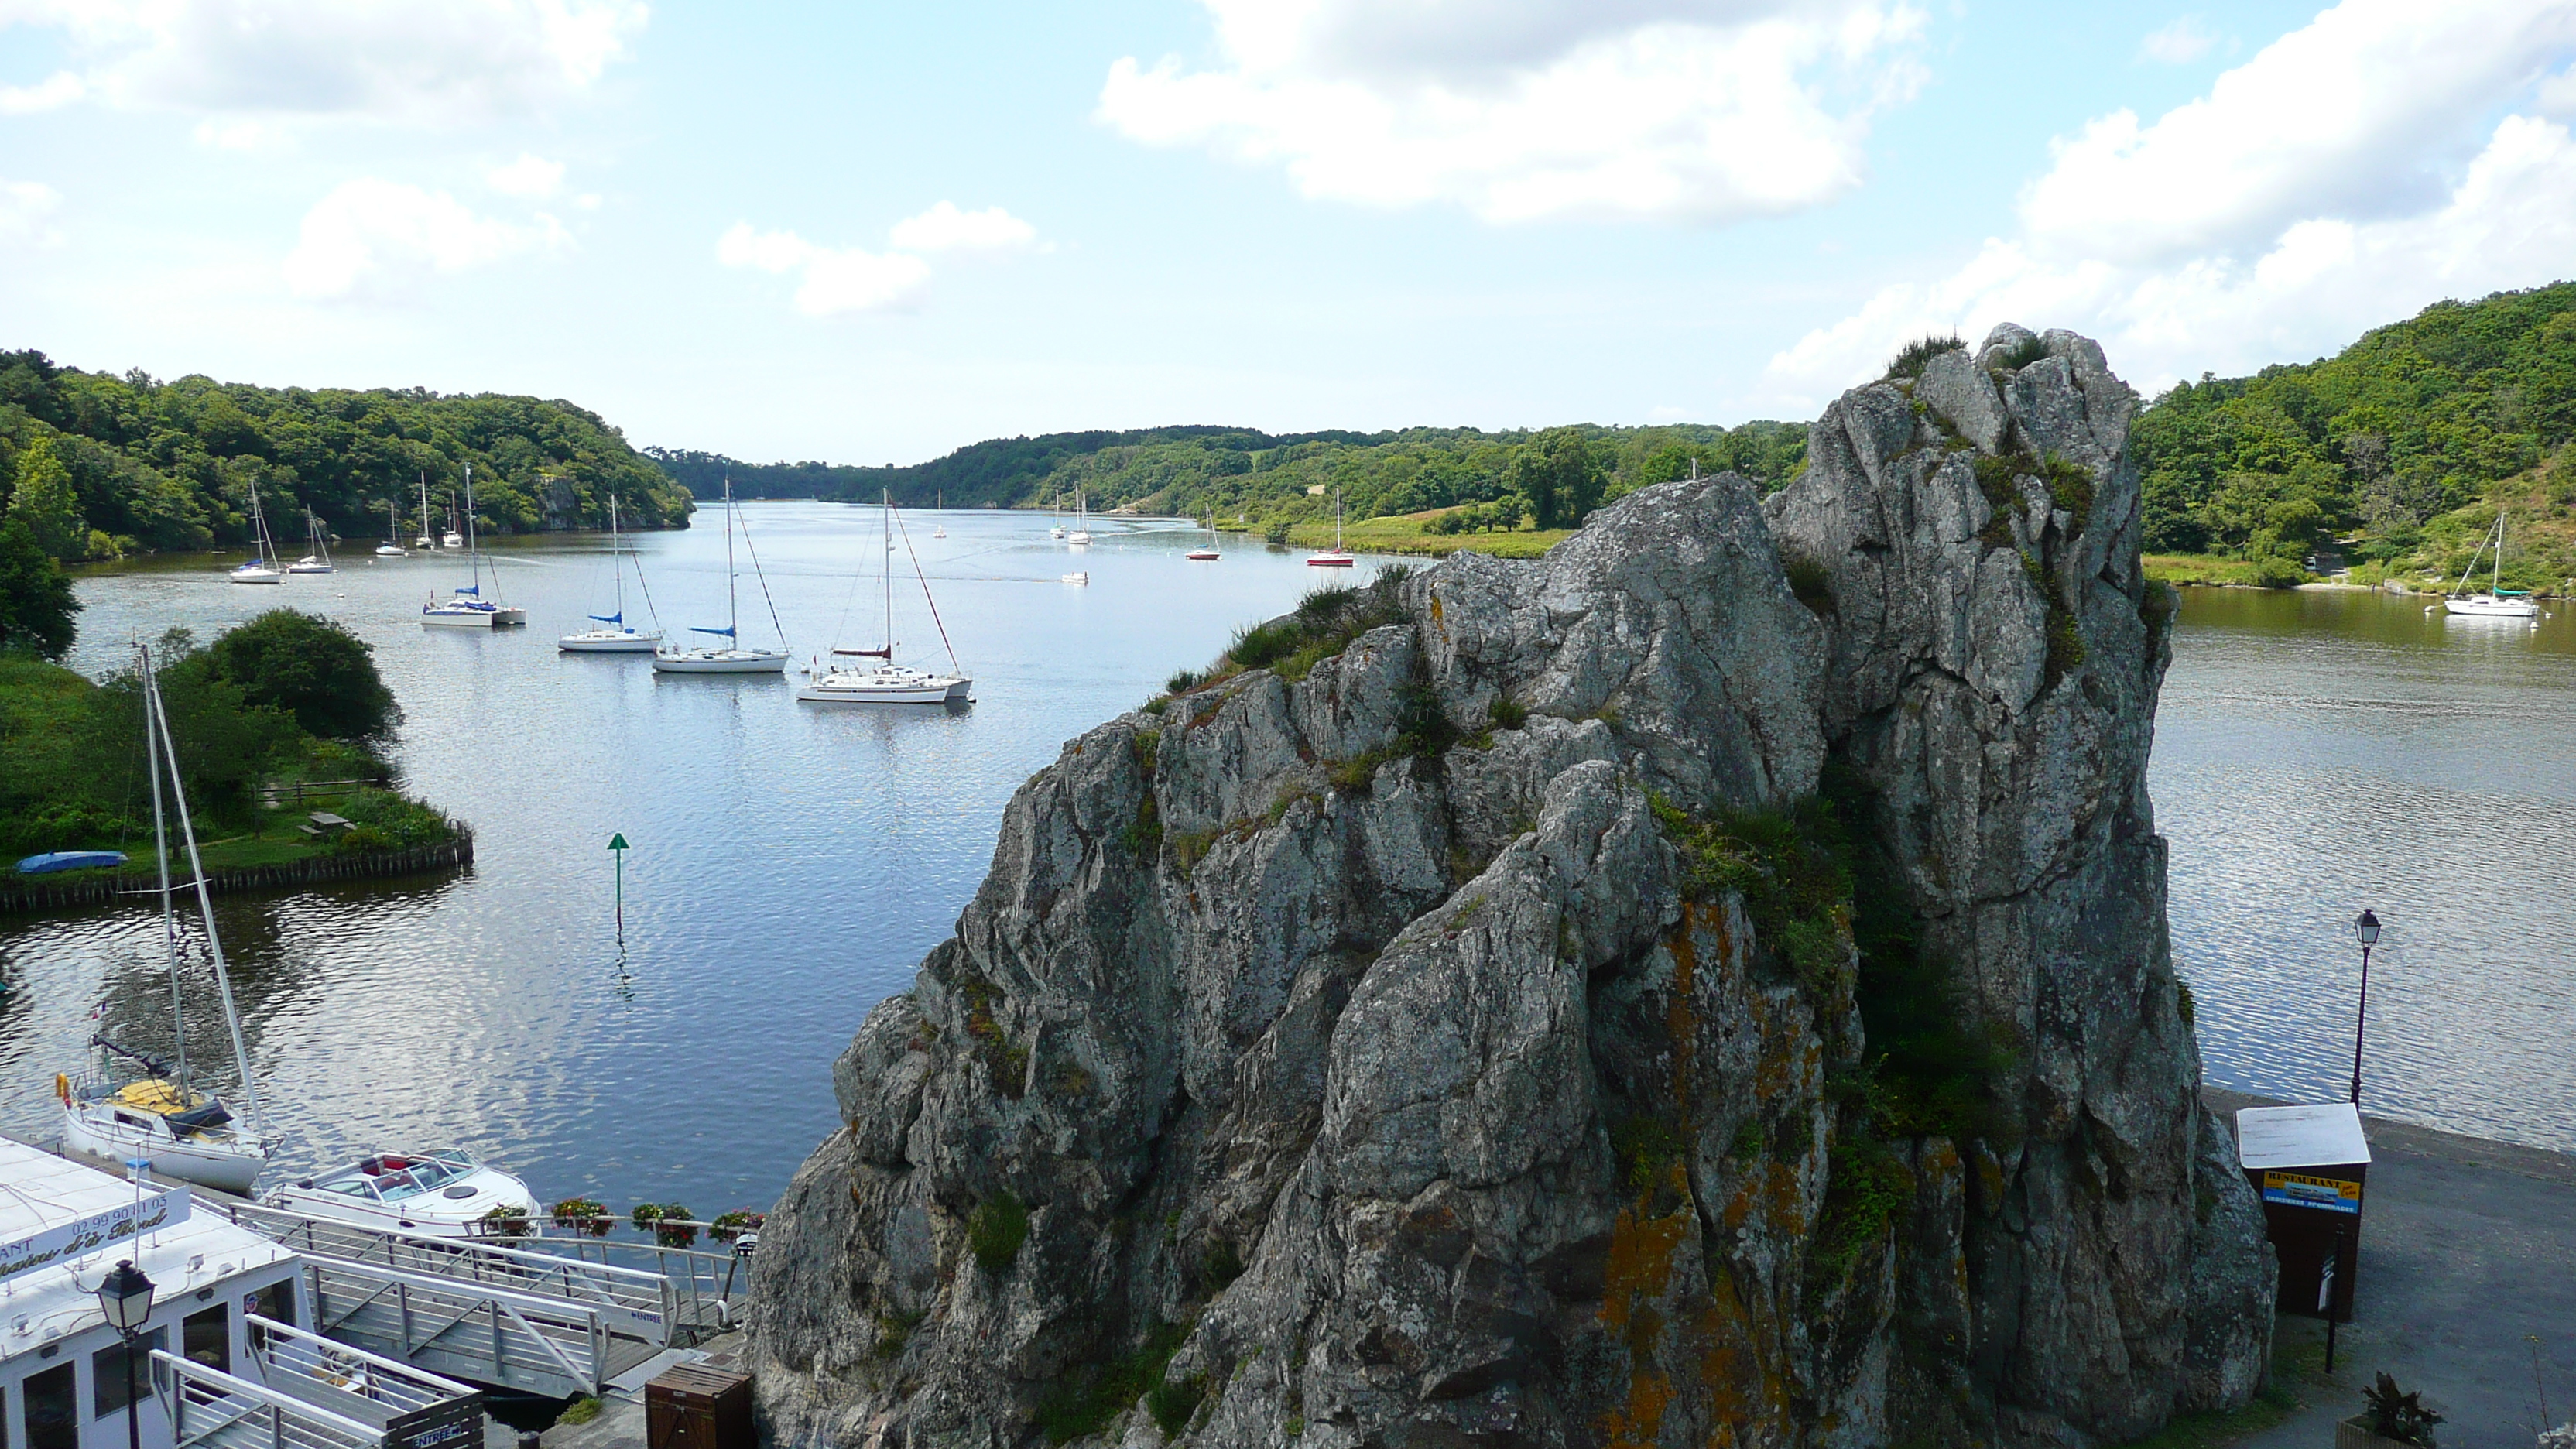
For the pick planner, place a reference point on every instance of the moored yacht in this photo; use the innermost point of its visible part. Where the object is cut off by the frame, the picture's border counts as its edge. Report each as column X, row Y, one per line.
column 1336, row 557
column 731, row 657
column 466, row 608
column 443, row 1193
column 317, row 542
column 392, row 546
column 884, row 682
column 2498, row 602
column 262, row 568
column 619, row 637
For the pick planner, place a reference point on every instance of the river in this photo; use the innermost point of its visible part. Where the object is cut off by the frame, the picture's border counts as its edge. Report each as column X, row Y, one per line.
column 791, row 864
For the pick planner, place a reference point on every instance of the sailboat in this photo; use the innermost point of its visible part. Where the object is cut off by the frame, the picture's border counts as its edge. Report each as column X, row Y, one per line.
column 1206, row 552
column 1336, row 557
column 156, row 1113
column 425, row 542
column 885, row 682
column 451, row 538
column 392, row 547
column 620, row 637
column 317, row 542
column 467, row 608
column 1081, row 522
column 939, row 504
column 2498, row 602
column 732, row 658
column 262, row 568
column 1057, row 532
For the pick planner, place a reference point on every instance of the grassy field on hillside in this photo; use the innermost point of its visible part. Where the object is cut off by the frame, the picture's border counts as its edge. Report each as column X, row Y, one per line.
column 1404, row 533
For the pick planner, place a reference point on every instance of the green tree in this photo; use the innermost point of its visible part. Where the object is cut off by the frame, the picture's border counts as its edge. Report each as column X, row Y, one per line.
column 43, row 499
column 1560, row 476
column 36, row 602
column 312, row 668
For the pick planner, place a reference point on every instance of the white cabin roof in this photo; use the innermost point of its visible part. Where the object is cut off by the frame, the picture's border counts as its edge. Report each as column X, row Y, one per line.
column 2323, row 1135
column 40, row 1193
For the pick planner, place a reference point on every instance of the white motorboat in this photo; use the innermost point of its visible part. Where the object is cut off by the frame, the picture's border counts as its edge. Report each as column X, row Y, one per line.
column 2498, row 602
column 618, row 637
column 262, row 568
column 392, row 547
column 1336, row 557
column 1206, row 552
column 442, row 1193
column 317, row 540
column 885, row 682
column 466, row 608
column 158, row 1114
column 729, row 657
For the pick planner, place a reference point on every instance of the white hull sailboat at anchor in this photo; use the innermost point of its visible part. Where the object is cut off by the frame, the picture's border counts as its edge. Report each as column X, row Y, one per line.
column 2498, row 602
column 262, row 568
column 317, row 542
column 157, row 1114
column 467, row 608
column 731, row 658
column 619, row 637
column 885, row 682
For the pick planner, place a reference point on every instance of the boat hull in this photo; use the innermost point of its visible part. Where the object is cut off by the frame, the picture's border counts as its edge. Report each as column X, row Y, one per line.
column 431, row 1215
column 1331, row 561
column 1202, row 555
column 726, row 661
column 609, row 643
column 257, row 576
column 389, row 551
column 456, row 618
column 2485, row 606
column 311, row 569
column 934, row 691
column 229, row 1167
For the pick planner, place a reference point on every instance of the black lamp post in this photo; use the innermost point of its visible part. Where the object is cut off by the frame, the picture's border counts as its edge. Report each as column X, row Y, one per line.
column 2367, row 928
column 126, row 1295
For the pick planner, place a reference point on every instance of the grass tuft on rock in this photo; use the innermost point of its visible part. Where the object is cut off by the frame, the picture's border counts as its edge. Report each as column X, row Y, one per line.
column 1087, row 1398
column 1909, row 362
column 994, row 1233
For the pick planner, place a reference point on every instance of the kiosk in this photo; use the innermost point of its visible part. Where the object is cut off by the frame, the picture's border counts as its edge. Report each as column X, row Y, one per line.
column 2308, row 1165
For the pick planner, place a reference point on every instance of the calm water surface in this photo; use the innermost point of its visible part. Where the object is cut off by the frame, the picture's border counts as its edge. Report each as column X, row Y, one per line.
column 791, row 864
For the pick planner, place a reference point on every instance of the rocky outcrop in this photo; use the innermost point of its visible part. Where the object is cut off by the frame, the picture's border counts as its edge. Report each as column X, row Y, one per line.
column 1708, row 985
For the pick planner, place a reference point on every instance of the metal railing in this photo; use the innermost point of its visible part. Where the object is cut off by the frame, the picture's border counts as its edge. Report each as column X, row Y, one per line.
column 632, row 1302
column 704, row 1285
column 488, row 1334
column 213, row 1408
column 364, row 1385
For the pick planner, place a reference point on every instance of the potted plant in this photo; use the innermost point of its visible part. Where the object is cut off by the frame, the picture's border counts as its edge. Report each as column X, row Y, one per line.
column 584, row 1215
column 2393, row 1420
column 729, row 1227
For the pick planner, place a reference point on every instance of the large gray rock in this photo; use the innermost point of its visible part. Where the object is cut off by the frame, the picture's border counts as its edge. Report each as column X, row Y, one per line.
column 1370, row 1061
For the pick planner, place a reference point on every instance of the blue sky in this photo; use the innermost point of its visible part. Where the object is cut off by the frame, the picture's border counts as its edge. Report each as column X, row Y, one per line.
column 871, row 233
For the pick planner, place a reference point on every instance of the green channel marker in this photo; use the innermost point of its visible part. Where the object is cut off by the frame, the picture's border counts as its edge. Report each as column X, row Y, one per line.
column 617, row 852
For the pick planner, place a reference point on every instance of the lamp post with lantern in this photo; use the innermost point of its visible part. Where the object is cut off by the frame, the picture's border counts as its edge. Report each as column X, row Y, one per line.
column 126, row 1296
column 2367, row 928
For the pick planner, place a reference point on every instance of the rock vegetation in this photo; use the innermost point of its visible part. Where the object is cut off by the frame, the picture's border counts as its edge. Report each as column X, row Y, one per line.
column 1706, row 986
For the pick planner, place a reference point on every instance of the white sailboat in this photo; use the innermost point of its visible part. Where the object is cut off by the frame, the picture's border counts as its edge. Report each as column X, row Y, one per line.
column 885, row 682
column 425, row 542
column 1081, row 522
column 731, row 658
column 1336, row 557
column 939, row 504
column 619, row 637
column 451, row 538
column 1057, row 532
column 317, row 543
column 1206, row 552
column 466, row 608
column 158, row 1115
column 2498, row 602
column 262, row 568
column 392, row 546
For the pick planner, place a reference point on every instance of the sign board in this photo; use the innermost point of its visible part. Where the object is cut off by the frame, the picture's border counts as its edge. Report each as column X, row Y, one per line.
column 83, row 1236
column 448, row 1424
column 2297, row 1189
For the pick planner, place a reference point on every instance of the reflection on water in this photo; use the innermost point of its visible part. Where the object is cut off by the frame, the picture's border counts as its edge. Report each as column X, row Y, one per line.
column 790, row 863
column 2319, row 752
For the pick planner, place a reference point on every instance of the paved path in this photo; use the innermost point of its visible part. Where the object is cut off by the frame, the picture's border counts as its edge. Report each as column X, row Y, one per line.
column 2468, row 1251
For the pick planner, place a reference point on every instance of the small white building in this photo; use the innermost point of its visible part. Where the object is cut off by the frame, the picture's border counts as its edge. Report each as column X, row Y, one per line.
column 63, row 1226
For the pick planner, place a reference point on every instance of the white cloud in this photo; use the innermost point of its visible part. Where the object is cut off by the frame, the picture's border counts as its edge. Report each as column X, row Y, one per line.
column 2180, row 43
column 2557, row 95
column 2510, row 222
column 945, row 228
column 253, row 134
column 530, row 175
column 2362, row 113
column 1521, row 109
column 26, row 209
column 59, row 89
column 453, row 62
column 835, row 281
column 374, row 236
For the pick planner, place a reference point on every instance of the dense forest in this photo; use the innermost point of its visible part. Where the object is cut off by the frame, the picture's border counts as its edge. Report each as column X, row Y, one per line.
column 2396, row 453
column 100, row 466
column 1267, row 478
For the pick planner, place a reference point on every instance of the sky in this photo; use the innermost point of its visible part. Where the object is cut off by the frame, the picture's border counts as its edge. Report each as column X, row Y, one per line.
column 870, row 233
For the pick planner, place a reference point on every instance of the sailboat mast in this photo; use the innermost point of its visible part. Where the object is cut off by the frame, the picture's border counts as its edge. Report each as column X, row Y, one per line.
column 473, row 549
column 733, row 621
column 205, row 906
column 615, row 568
column 161, row 858
column 2497, row 588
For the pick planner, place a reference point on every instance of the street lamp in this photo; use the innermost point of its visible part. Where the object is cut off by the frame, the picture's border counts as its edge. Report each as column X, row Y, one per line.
column 2367, row 928
column 126, row 1296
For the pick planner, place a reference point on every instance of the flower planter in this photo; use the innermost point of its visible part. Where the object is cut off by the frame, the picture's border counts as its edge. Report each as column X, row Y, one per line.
column 2356, row 1433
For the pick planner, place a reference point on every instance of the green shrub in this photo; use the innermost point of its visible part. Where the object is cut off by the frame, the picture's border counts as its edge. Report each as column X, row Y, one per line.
column 2021, row 354
column 383, row 820
column 1909, row 362
column 1173, row 1404
column 1504, row 714
column 1086, row 1399
column 1183, row 681
column 994, row 1233
column 580, row 1411
column 1866, row 1188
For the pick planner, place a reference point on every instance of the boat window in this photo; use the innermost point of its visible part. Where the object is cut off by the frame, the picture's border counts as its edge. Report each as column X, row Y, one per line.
column 354, row 1187
column 51, row 1420
column 397, row 1185
column 207, row 1337
column 276, row 1302
column 107, row 1385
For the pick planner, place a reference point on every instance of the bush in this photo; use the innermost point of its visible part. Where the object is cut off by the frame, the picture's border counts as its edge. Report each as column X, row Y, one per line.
column 2022, row 354
column 2397, row 1416
column 1909, row 362
column 387, row 821
column 311, row 667
column 994, row 1233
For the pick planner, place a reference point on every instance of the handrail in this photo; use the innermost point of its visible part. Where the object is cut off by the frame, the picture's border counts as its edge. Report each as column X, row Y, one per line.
column 220, row 1391
column 648, row 1297
column 391, row 1376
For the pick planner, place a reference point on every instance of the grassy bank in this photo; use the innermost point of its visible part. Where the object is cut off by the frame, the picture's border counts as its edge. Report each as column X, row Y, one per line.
column 1409, row 533
column 2185, row 569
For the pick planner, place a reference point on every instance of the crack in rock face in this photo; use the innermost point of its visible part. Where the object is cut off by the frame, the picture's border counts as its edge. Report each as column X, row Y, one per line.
column 1707, row 986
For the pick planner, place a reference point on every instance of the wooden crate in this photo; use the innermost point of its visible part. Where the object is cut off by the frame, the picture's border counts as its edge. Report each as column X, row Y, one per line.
column 691, row 1406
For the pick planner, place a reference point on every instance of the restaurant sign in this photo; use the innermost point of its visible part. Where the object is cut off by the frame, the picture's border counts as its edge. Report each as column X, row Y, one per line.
column 83, row 1236
column 2296, row 1189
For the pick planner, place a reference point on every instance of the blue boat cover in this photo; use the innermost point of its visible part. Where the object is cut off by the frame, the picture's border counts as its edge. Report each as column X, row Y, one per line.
column 610, row 618
column 54, row 860
column 694, row 629
column 473, row 589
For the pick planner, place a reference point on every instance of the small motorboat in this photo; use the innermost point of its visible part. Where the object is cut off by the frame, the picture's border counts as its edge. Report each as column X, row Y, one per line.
column 437, row 1194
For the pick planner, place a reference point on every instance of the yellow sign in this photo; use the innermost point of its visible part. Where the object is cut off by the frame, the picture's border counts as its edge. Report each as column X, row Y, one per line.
column 2293, row 1189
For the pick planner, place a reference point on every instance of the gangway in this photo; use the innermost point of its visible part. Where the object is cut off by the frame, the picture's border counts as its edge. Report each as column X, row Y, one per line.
column 513, row 1318
column 299, row 1391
